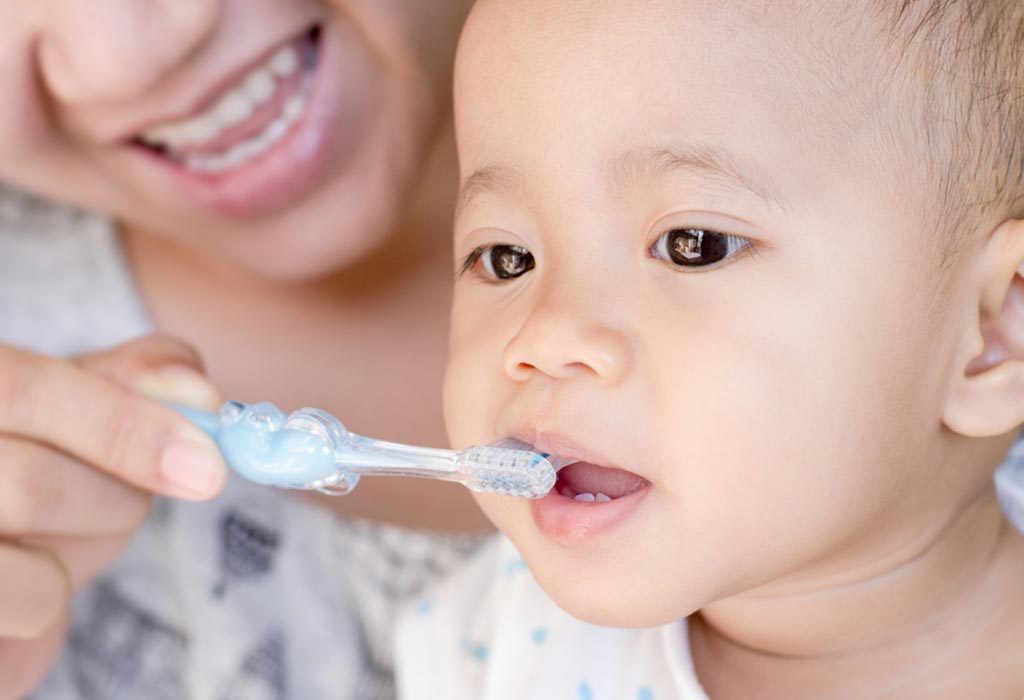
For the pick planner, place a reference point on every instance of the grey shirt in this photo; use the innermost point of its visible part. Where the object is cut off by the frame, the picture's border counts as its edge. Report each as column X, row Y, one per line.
column 254, row 595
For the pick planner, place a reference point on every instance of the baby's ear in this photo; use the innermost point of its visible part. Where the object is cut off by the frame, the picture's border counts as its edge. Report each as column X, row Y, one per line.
column 988, row 399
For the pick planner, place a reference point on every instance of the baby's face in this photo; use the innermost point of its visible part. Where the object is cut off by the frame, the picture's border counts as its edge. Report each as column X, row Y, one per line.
column 689, row 262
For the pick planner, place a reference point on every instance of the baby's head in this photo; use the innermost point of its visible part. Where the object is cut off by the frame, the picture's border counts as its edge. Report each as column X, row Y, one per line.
column 749, row 257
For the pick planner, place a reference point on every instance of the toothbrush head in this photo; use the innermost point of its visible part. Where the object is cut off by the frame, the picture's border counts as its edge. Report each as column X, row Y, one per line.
column 508, row 468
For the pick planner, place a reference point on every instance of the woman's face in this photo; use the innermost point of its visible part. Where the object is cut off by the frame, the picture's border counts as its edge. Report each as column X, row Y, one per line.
column 281, row 135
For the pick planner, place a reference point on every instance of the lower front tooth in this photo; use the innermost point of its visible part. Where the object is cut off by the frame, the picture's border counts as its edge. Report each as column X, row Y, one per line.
column 602, row 498
column 586, row 497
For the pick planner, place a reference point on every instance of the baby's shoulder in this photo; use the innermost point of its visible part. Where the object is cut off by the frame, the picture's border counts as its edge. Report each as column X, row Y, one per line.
column 489, row 632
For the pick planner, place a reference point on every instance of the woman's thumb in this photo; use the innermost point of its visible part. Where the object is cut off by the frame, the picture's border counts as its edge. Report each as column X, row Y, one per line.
column 159, row 367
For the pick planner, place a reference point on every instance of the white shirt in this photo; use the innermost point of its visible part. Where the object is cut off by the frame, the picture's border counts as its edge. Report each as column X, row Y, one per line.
column 489, row 632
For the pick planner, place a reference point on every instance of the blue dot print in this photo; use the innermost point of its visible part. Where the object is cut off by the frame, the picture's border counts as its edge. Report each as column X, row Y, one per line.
column 539, row 635
column 585, row 692
column 514, row 566
column 424, row 607
column 645, row 693
column 476, row 651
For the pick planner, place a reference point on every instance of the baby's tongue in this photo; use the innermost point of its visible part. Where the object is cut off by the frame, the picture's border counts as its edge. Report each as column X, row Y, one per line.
column 583, row 477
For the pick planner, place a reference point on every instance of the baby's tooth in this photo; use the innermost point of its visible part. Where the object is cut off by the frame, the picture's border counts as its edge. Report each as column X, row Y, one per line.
column 284, row 62
column 602, row 498
column 260, row 86
column 586, row 497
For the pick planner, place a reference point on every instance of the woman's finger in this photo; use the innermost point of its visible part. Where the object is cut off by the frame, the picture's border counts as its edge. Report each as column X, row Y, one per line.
column 111, row 428
column 24, row 661
column 34, row 591
column 157, row 366
column 46, row 492
column 81, row 558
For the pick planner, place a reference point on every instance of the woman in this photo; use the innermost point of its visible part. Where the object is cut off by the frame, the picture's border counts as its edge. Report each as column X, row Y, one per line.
column 278, row 177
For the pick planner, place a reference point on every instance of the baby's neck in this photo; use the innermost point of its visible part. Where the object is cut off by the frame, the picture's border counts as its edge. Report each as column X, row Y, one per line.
column 946, row 623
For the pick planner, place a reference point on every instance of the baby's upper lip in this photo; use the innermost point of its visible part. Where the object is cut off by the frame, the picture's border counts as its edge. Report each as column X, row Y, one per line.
column 571, row 449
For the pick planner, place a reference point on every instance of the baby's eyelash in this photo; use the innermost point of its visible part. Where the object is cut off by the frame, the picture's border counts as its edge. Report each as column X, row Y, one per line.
column 470, row 260
column 502, row 262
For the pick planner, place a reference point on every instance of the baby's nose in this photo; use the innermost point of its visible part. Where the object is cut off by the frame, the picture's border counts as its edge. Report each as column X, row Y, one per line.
column 563, row 342
column 109, row 50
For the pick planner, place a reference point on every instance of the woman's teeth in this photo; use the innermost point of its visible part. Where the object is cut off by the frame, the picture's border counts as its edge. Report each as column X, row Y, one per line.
column 252, row 148
column 184, row 141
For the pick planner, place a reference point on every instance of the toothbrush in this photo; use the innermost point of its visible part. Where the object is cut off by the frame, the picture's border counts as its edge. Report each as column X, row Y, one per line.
column 311, row 449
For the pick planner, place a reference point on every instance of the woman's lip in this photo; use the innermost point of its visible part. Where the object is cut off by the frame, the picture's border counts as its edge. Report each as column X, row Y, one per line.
column 570, row 522
column 286, row 172
column 209, row 96
column 262, row 116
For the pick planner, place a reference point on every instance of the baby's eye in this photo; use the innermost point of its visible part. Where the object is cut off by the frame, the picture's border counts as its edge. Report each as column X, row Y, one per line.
column 695, row 247
column 501, row 261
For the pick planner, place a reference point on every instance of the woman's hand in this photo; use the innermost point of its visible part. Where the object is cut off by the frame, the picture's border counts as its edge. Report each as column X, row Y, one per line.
column 82, row 451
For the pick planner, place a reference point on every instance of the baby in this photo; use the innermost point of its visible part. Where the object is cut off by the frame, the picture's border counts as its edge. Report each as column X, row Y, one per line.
column 754, row 265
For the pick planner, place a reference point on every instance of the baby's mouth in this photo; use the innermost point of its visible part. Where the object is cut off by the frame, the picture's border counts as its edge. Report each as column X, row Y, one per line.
column 590, row 483
column 248, row 119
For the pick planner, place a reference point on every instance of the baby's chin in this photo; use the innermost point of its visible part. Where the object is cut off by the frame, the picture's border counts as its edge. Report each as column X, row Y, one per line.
column 622, row 602
column 618, row 586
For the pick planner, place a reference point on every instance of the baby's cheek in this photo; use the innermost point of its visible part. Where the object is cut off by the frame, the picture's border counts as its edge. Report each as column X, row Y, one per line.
column 458, row 402
column 502, row 511
column 473, row 393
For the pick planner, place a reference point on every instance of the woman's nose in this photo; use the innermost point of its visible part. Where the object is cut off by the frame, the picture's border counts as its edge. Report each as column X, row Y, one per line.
column 566, row 342
column 110, row 50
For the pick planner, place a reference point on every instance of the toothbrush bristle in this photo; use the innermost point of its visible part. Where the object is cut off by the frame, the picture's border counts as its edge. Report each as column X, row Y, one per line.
column 509, row 472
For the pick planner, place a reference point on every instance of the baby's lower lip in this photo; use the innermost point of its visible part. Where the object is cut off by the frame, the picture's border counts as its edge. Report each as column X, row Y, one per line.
column 569, row 520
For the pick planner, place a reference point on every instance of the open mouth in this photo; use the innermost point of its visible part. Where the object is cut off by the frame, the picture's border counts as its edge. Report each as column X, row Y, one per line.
column 251, row 116
column 590, row 483
column 587, row 501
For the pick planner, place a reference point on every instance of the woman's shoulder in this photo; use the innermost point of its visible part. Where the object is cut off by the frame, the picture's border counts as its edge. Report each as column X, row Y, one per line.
column 21, row 210
column 65, row 287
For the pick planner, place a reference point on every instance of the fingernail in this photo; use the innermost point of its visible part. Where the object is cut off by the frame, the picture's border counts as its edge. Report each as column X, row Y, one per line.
column 193, row 468
column 179, row 384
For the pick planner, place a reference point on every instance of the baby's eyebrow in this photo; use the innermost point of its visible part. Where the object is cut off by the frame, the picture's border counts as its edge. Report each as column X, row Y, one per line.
column 639, row 166
column 631, row 169
column 491, row 178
